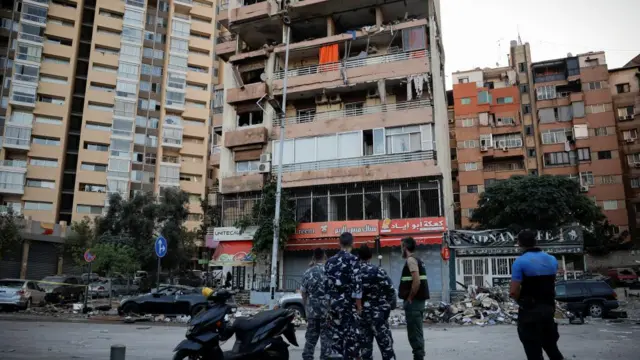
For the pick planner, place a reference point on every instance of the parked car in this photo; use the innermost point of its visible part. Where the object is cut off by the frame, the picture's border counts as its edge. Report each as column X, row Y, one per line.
column 292, row 302
column 87, row 280
column 589, row 297
column 119, row 287
column 20, row 294
column 61, row 288
column 623, row 275
column 169, row 300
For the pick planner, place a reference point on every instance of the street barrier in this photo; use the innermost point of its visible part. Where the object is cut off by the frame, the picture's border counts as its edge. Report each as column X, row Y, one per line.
column 118, row 352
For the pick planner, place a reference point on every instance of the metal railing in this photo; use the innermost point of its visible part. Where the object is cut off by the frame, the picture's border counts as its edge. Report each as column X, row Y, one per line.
column 351, row 63
column 504, row 167
column 345, row 113
column 34, row 18
column 358, row 161
column 29, row 37
column 14, row 163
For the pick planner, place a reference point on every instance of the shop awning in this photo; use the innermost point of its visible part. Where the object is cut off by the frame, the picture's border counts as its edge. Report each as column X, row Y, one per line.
column 325, row 243
column 233, row 253
column 432, row 239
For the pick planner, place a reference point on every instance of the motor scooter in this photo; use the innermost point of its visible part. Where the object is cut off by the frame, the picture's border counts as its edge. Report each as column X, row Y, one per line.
column 257, row 337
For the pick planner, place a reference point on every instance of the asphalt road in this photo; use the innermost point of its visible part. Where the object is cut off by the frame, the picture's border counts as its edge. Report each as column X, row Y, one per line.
column 65, row 341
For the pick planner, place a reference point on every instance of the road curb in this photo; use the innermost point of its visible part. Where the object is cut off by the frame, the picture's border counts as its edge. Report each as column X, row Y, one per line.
column 87, row 321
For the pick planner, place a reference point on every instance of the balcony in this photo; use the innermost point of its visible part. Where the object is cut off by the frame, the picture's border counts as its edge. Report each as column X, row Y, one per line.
column 246, row 136
column 12, row 176
column 249, row 92
column 226, row 46
column 17, row 137
column 260, row 9
column 238, row 183
column 360, row 70
column 360, row 169
column 15, row 207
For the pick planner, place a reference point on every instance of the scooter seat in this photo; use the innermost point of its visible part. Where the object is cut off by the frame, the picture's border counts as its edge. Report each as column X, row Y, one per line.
column 263, row 318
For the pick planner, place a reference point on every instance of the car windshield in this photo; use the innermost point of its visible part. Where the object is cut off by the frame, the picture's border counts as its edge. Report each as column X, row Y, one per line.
column 14, row 284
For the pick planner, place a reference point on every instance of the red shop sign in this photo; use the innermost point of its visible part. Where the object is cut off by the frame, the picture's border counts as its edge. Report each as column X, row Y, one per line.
column 412, row 226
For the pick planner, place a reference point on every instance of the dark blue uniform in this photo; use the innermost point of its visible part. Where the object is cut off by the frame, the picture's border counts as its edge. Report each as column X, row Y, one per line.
column 536, row 272
column 378, row 297
column 344, row 286
column 313, row 285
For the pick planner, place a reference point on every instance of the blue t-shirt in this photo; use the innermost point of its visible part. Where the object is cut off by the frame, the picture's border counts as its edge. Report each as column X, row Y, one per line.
column 536, row 271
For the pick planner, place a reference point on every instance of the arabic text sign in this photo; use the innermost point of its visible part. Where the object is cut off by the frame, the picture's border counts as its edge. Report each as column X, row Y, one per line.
column 335, row 228
column 412, row 226
column 570, row 235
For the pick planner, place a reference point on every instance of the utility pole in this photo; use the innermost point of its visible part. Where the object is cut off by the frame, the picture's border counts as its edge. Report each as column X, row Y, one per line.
column 276, row 219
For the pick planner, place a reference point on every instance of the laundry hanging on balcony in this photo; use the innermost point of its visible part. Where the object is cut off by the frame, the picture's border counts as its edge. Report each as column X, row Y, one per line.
column 416, row 82
column 329, row 57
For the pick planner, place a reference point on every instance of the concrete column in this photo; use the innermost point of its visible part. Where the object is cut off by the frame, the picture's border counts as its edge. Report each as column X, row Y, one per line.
column 25, row 259
column 379, row 16
column 331, row 26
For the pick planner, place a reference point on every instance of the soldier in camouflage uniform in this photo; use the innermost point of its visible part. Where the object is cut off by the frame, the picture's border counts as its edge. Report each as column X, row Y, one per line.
column 378, row 299
column 344, row 290
column 316, row 307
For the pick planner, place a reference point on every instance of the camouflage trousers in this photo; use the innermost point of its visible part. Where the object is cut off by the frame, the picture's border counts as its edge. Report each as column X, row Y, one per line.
column 316, row 329
column 380, row 330
column 345, row 335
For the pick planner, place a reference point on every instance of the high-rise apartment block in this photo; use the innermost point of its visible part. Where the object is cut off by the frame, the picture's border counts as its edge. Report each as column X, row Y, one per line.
column 366, row 117
column 551, row 117
column 101, row 97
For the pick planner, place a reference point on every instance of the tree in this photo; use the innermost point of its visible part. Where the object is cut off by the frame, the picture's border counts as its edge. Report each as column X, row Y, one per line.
column 263, row 215
column 81, row 238
column 10, row 227
column 541, row 202
column 114, row 259
column 211, row 215
column 172, row 213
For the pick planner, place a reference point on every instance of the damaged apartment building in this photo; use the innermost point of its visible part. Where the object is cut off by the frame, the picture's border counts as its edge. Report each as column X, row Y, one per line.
column 366, row 117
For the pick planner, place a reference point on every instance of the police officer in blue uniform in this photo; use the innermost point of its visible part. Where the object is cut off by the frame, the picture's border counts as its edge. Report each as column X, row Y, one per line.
column 344, row 291
column 378, row 299
column 315, row 300
column 533, row 287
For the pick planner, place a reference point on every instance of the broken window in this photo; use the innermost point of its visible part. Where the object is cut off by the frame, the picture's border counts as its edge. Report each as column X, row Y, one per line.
column 250, row 118
column 414, row 39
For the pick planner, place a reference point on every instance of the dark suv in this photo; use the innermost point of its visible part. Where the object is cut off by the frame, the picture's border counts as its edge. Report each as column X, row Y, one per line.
column 588, row 297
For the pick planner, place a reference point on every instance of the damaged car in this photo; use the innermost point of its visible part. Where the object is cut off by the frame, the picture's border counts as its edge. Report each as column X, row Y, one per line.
column 168, row 300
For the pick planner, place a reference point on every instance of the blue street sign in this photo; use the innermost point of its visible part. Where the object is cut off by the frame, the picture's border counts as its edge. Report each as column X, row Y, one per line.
column 161, row 246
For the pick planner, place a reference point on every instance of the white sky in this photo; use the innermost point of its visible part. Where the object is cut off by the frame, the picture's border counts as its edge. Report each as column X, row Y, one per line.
column 476, row 33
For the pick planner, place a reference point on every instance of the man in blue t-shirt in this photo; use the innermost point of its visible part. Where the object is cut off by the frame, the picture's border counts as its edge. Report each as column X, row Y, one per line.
column 533, row 287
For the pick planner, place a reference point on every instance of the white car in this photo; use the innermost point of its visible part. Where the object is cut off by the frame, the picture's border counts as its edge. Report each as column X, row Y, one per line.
column 20, row 294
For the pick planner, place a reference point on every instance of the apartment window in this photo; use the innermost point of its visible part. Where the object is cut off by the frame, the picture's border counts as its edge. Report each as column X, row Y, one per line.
column 468, row 144
column 630, row 135
column 546, row 92
column 508, row 140
column 247, row 166
column 526, row 109
column 402, row 139
column 249, row 119
column 145, row 104
column 43, row 162
column 151, row 70
column 95, row 147
column 131, row 34
column 29, row 52
column 93, row 167
column 607, row 180
column 622, row 88
column 93, row 188
column 531, row 152
column 21, row 117
column 596, row 109
column 130, row 53
column 586, row 178
column 45, row 141
column 626, row 113
column 126, row 89
column 505, row 100
column 601, row 131
column 522, row 67
column 484, row 97
column 38, row 206
column 635, row 183
column 560, row 158
column 470, row 166
column 584, row 154
column 468, row 213
column 179, row 46
column 89, row 209
column 51, row 100
column 524, row 88
column 465, row 101
column 505, row 121
column 594, row 85
column 178, row 63
column 468, row 122
column 129, row 71
column 610, row 205
column 173, row 98
column 150, row 158
column 633, row 159
column 48, row 120
column 528, row 130
column 604, row 155
column 472, row 189
column 179, row 28
column 97, row 126
column 44, row 184
column 556, row 136
column 125, row 109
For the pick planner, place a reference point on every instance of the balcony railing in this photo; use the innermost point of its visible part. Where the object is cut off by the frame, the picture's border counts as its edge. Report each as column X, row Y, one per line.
column 366, row 110
column 30, row 37
column 14, row 163
column 34, row 18
column 504, row 167
column 352, row 63
column 358, row 161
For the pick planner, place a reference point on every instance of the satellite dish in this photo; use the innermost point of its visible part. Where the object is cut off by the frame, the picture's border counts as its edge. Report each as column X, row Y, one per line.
column 263, row 77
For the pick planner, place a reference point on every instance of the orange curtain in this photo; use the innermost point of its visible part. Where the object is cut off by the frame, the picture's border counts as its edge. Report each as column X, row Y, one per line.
column 329, row 55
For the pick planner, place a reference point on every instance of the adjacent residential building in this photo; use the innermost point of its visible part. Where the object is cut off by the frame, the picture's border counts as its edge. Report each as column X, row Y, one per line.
column 624, row 84
column 366, row 145
column 551, row 117
column 102, row 97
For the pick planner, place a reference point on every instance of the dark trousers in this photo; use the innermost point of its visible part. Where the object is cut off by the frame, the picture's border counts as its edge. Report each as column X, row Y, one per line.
column 538, row 331
column 379, row 329
column 345, row 335
column 414, row 314
column 316, row 329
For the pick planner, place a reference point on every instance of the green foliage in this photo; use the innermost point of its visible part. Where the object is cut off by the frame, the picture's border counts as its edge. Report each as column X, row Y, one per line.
column 541, row 202
column 212, row 215
column 82, row 237
column 10, row 227
column 263, row 215
column 172, row 213
column 114, row 259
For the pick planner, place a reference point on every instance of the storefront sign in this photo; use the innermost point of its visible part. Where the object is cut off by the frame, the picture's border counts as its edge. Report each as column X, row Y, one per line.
column 412, row 226
column 570, row 235
column 514, row 250
column 231, row 233
column 233, row 253
column 335, row 228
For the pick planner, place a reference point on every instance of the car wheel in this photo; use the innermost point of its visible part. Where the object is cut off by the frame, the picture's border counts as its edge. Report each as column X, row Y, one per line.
column 130, row 308
column 197, row 309
column 297, row 309
column 27, row 305
column 596, row 310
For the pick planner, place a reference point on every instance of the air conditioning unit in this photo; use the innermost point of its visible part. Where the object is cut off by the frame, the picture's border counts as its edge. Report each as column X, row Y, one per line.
column 321, row 99
column 373, row 93
column 630, row 140
column 626, row 117
column 335, row 99
column 584, row 188
column 484, row 148
column 264, row 167
column 265, row 158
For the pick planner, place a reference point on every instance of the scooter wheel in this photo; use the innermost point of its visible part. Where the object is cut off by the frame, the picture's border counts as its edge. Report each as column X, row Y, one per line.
column 187, row 355
column 278, row 351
